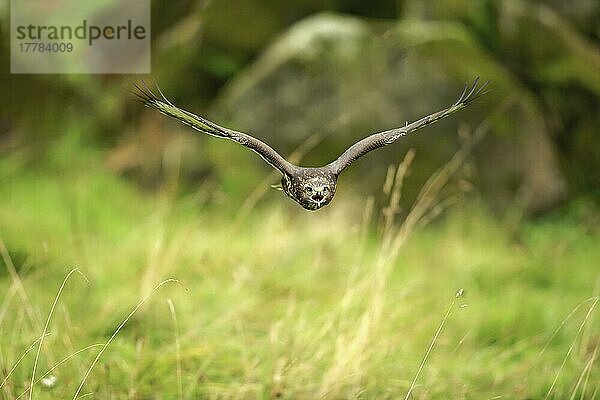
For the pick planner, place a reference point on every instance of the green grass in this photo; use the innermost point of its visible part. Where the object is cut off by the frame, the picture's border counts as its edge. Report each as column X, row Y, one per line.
column 287, row 303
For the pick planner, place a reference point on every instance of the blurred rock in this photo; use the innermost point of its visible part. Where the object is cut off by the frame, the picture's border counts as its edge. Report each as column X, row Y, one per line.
column 540, row 44
column 330, row 66
column 584, row 14
column 551, row 46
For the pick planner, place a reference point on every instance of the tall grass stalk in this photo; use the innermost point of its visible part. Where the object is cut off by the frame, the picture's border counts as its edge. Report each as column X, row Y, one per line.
column 55, row 366
column 116, row 332
column 581, row 326
column 177, row 348
column 37, row 354
column 430, row 348
column 16, row 364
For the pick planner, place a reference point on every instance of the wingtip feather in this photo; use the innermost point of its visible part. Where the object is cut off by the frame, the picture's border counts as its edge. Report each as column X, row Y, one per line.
column 474, row 92
column 144, row 95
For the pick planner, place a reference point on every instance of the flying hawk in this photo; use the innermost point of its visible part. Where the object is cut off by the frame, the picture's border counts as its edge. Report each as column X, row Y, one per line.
column 312, row 188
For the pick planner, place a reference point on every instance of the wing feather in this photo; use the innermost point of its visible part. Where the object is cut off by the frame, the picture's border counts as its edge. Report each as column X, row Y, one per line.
column 163, row 105
column 384, row 138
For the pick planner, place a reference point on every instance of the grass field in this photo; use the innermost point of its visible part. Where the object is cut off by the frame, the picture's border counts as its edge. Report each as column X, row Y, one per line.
column 285, row 303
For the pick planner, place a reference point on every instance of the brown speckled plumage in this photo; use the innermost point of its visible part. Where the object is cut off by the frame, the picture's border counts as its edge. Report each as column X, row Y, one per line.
column 312, row 188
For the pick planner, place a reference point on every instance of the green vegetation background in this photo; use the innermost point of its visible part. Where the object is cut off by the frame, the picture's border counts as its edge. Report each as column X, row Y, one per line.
column 277, row 302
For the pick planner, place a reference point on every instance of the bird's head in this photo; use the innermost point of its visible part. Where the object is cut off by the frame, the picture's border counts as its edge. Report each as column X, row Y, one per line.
column 312, row 189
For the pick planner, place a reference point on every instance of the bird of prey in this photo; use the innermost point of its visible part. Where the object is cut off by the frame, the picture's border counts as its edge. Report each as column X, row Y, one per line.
column 310, row 187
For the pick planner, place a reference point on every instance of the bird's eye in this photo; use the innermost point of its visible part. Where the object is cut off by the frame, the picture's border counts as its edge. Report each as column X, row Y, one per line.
column 308, row 189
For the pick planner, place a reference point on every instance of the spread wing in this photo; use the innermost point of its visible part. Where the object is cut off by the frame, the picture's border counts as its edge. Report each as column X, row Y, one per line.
column 384, row 138
column 148, row 98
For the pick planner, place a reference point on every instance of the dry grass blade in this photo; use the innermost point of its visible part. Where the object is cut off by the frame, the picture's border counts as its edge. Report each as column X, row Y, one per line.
column 395, row 194
column 585, row 373
column 429, row 192
column 177, row 349
column 9, row 373
column 589, row 371
column 116, row 332
column 564, row 321
column 37, row 354
column 430, row 348
column 18, row 284
column 64, row 360
column 571, row 348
